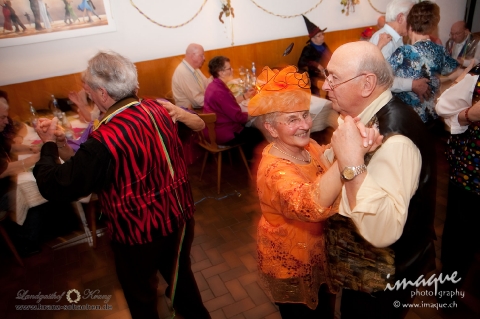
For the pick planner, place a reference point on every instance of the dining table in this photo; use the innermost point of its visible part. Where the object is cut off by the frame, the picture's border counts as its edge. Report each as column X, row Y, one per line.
column 28, row 195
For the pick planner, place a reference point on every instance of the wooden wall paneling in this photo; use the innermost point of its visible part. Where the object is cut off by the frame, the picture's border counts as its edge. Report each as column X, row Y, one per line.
column 155, row 76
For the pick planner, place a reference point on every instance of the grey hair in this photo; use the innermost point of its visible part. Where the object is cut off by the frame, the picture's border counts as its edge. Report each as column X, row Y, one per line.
column 113, row 72
column 260, row 124
column 395, row 7
column 3, row 103
column 370, row 63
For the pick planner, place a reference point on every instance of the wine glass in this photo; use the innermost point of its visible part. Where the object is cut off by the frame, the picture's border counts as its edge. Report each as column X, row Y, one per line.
column 241, row 72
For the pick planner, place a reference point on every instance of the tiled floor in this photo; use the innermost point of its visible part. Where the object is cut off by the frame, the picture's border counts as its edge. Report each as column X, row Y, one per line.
column 223, row 259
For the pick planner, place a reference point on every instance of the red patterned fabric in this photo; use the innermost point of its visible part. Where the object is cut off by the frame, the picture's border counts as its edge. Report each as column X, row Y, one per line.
column 144, row 202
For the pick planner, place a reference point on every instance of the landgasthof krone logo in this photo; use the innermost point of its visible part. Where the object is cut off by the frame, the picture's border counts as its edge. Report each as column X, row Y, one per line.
column 76, row 292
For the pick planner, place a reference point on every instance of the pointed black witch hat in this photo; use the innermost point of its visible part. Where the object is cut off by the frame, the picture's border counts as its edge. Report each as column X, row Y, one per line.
column 312, row 28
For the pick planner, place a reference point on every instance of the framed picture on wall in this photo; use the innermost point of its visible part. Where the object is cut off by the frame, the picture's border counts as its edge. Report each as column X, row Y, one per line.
column 32, row 21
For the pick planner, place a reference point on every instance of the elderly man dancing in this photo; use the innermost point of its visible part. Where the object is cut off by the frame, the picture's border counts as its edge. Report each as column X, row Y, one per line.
column 134, row 161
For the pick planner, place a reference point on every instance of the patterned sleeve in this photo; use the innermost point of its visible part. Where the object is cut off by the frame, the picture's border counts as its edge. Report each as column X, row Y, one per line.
column 396, row 60
column 449, row 63
column 295, row 196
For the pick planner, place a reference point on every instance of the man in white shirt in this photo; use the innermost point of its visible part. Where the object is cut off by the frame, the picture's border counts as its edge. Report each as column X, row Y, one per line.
column 188, row 81
column 388, row 196
column 463, row 45
column 390, row 38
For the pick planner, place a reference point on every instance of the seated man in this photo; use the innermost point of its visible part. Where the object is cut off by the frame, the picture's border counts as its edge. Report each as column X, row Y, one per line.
column 463, row 45
column 188, row 82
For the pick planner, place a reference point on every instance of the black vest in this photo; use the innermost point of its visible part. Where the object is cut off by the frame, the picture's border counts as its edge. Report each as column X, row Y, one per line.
column 360, row 266
column 418, row 233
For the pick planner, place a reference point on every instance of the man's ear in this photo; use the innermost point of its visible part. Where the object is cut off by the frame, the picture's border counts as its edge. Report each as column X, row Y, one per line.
column 400, row 18
column 271, row 129
column 369, row 84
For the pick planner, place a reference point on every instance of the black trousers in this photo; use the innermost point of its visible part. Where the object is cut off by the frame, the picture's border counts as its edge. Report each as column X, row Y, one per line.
column 460, row 235
column 324, row 310
column 137, row 267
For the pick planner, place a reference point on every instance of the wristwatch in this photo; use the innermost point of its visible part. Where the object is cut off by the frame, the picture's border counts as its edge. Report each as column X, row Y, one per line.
column 349, row 172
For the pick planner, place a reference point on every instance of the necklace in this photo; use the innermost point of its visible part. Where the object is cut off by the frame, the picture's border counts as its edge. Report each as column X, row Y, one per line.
column 298, row 159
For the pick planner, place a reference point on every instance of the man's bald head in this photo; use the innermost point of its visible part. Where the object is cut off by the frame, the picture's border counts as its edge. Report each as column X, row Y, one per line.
column 365, row 57
column 380, row 22
column 459, row 31
column 359, row 74
column 195, row 55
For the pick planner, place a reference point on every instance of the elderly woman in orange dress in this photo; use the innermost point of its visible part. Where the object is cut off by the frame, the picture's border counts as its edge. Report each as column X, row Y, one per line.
column 298, row 187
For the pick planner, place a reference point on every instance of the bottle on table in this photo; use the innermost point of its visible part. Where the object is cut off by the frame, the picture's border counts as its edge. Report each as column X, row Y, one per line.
column 33, row 115
column 241, row 73
column 248, row 80
column 67, row 126
column 56, row 110
column 254, row 76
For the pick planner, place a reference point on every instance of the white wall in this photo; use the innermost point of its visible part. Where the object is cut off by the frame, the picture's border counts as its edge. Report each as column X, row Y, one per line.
column 139, row 39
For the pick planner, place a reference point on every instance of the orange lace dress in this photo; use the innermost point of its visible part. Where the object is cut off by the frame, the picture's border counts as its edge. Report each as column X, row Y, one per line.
column 290, row 239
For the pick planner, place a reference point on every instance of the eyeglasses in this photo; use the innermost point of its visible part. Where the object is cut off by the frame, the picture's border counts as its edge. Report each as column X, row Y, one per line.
column 454, row 34
column 292, row 122
column 326, row 74
column 228, row 69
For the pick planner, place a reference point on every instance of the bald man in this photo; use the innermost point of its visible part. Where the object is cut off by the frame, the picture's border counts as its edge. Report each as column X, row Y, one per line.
column 463, row 45
column 188, row 81
column 380, row 22
column 385, row 221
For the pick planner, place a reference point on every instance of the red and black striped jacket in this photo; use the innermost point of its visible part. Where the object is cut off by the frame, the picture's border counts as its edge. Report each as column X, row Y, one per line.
column 149, row 195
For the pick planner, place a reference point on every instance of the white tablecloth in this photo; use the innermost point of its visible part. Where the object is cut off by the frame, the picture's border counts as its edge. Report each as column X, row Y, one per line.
column 323, row 115
column 28, row 195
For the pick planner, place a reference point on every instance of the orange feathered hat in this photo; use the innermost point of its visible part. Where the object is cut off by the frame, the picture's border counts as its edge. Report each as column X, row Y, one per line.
column 271, row 82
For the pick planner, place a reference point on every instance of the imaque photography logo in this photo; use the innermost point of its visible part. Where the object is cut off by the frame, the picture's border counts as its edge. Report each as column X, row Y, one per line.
column 421, row 282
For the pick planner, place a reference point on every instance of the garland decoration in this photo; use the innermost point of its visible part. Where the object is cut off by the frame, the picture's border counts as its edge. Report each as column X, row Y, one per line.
column 228, row 11
column 168, row 26
column 369, row 1
column 349, row 5
column 285, row 16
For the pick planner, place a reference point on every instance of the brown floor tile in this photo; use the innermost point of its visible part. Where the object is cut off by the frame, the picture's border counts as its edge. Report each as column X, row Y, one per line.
column 262, row 311
column 236, row 290
column 217, row 286
column 219, row 302
column 215, row 270
column 238, row 307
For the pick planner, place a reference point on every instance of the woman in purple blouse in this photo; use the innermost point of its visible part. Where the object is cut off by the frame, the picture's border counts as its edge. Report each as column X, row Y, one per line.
column 230, row 125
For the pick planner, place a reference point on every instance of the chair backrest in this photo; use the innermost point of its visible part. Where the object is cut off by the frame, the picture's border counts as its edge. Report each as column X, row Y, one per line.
column 211, row 142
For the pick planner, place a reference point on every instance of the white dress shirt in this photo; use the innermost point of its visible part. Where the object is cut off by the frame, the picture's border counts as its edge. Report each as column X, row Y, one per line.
column 399, row 84
column 454, row 100
column 392, row 179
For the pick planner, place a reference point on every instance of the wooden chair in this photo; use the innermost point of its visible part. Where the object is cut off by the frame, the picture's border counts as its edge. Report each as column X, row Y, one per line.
column 210, row 145
column 3, row 215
